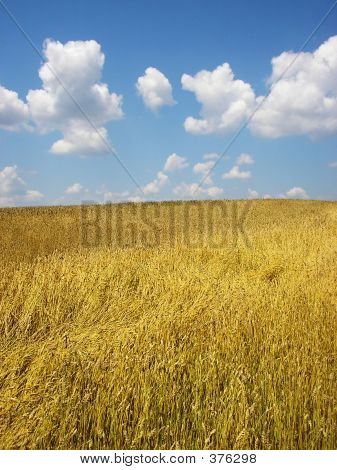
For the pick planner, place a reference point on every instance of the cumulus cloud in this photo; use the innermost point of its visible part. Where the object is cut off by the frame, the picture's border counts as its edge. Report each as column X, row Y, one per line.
column 155, row 89
column 204, row 169
column 252, row 194
column 213, row 191
column 185, row 190
column 136, row 199
column 32, row 195
column 82, row 139
column 78, row 65
column 10, row 182
column 211, row 156
column 194, row 190
column 113, row 196
column 175, row 162
column 155, row 186
column 304, row 100
column 14, row 113
column 13, row 189
column 297, row 193
column 75, row 188
column 109, row 196
column 236, row 173
column 245, row 159
column 293, row 193
column 225, row 101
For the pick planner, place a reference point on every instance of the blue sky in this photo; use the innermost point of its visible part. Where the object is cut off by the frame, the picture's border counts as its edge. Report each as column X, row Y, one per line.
column 289, row 150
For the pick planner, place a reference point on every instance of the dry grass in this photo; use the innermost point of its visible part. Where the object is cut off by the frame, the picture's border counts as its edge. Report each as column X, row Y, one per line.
column 181, row 339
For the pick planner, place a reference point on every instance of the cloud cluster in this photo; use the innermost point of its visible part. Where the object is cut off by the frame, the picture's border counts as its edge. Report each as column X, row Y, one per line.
column 13, row 190
column 204, row 170
column 301, row 101
column 194, row 190
column 73, row 101
column 114, row 196
column 236, row 173
column 294, row 193
column 253, row 194
column 14, row 113
column 175, row 162
column 155, row 89
column 71, row 91
column 155, row 186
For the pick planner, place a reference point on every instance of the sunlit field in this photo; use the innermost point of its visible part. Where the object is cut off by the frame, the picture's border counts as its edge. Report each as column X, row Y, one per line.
column 201, row 325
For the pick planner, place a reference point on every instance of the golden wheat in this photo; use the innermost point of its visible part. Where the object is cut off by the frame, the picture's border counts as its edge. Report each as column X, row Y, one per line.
column 166, row 328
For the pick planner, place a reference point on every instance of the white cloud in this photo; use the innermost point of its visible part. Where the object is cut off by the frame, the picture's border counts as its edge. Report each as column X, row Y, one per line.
column 13, row 188
column 175, row 162
column 333, row 165
column 108, row 196
column 204, row 169
column 304, row 101
column 78, row 64
column 214, row 191
column 81, row 139
column 10, row 182
column 252, row 194
column 32, row 195
column 6, row 201
column 13, row 112
column 225, row 101
column 151, row 188
column 75, row 188
column 136, row 199
column 162, row 178
column 155, row 89
column 211, row 156
column 293, row 193
column 114, row 196
column 235, row 173
column 297, row 193
column 245, row 159
column 194, row 190
column 155, row 186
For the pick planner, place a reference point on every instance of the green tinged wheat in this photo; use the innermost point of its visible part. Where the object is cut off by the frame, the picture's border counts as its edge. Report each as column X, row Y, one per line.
column 169, row 330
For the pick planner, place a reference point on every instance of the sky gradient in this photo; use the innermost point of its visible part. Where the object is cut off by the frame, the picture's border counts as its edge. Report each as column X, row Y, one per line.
column 167, row 85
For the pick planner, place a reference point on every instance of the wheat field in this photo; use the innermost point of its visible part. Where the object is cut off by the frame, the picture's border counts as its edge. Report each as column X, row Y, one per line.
column 169, row 326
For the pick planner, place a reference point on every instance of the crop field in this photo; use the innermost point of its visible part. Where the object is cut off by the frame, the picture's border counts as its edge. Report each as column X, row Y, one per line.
column 177, row 325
